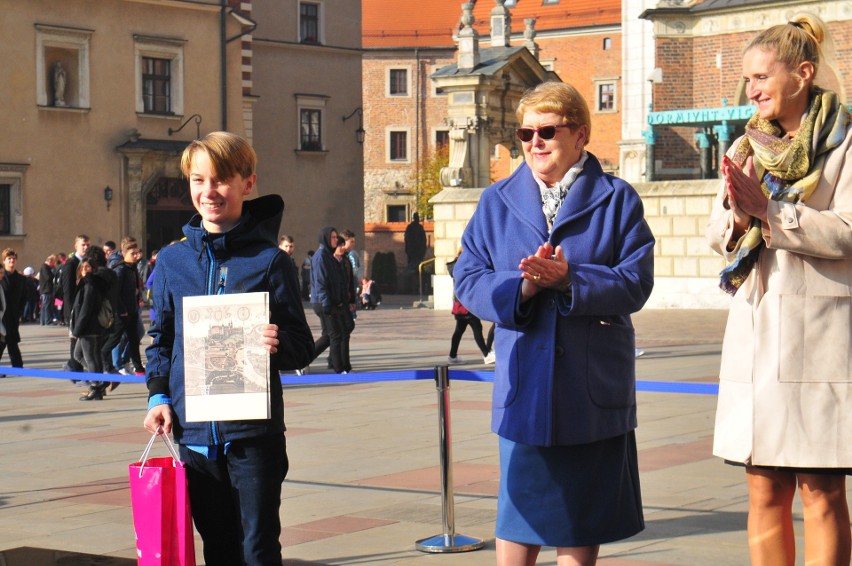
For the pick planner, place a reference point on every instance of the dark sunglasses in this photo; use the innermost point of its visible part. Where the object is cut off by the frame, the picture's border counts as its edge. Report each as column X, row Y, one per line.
column 544, row 132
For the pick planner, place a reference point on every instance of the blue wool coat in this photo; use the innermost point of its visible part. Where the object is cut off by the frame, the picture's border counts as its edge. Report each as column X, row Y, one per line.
column 565, row 371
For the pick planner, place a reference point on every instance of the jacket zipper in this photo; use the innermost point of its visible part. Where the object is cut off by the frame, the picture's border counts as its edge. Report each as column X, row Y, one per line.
column 215, row 287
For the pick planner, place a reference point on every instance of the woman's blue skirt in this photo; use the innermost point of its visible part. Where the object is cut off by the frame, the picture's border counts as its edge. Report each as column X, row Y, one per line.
column 566, row 496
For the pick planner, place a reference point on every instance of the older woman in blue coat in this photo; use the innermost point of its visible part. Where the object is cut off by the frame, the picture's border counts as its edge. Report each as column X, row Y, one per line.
column 559, row 255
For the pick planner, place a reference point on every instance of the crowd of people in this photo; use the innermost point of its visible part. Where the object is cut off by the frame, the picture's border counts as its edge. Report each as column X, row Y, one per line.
column 96, row 292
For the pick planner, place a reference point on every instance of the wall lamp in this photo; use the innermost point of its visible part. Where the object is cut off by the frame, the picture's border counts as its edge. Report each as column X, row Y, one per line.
column 359, row 133
column 108, row 195
column 197, row 118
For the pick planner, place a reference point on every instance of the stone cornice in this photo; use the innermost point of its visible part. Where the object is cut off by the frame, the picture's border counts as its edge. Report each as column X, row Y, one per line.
column 682, row 22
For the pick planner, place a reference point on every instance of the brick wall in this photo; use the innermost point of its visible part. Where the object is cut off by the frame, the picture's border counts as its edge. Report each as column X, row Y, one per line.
column 386, row 182
column 579, row 60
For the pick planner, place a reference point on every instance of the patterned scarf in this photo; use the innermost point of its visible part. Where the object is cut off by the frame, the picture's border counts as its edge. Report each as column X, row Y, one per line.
column 552, row 197
column 789, row 169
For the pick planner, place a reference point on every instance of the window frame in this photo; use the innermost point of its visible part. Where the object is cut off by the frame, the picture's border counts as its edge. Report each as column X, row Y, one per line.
column 435, row 133
column 156, row 80
column 391, row 130
column 599, row 83
column 312, row 103
column 320, row 31
column 147, row 47
column 388, row 82
column 12, row 174
column 405, row 206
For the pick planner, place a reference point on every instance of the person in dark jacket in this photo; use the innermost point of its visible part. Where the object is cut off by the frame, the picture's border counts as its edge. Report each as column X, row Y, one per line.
column 14, row 287
column 329, row 300
column 46, row 274
column 95, row 283
column 126, row 309
column 68, row 282
column 234, row 468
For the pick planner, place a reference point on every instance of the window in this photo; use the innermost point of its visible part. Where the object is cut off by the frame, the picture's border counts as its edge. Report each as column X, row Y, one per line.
column 309, row 22
column 605, row 94
column 310, row 130
column 397, row 213
column 549, row 2
column 442, row 139
column 11, row 199
column 157, row 85
column 607, row 43
column 398, row 82
column 398, row 146
column 5, row 209
column 159, row 76
column 311, row 116
column 436, row 91
column 62, row 67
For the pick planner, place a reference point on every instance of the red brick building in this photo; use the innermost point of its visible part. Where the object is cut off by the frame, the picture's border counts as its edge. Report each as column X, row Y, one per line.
column 404, row 115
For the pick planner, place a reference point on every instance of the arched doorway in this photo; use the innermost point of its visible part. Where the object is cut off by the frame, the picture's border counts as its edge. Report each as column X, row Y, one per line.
column 168, row 208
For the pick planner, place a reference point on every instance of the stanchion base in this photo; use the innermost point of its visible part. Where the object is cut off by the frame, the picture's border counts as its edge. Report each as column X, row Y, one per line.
column 449, row 543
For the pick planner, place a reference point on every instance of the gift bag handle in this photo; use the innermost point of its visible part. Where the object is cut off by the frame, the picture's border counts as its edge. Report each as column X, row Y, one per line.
column 169, row 445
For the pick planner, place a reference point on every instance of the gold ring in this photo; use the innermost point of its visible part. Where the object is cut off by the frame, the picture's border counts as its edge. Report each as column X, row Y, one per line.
column 537, row 276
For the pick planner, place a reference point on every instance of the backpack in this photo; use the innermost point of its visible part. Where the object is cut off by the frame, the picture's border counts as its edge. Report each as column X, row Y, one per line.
column 105, row 313
column 57, row 281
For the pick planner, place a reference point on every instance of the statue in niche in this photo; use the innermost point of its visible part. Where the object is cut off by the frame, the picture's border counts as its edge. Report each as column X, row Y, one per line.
column 59, row 80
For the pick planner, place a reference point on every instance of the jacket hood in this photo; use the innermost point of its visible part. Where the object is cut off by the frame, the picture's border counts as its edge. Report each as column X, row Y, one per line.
column 259, row 223
column 325, row 237
column 103, row 278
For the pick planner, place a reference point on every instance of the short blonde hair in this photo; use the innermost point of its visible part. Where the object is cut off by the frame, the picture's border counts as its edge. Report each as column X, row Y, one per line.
column 229, row 154
column 557, row 98
column 799, row 40
column 9, row 252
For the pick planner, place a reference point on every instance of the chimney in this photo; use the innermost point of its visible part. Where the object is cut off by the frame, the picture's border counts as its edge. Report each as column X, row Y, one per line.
column 468, row 40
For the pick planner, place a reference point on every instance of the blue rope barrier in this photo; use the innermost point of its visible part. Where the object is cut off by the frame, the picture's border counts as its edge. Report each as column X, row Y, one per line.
column 367, row 377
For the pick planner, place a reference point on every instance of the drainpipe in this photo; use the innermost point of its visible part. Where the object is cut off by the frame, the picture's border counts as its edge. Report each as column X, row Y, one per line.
column 416, row 127
column 223, row 74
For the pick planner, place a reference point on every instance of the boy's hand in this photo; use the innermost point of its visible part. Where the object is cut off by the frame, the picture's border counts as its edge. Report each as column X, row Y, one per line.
column 269, row 337
column 159, row 416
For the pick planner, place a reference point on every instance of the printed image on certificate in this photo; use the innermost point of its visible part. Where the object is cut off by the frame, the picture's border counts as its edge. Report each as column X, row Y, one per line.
column 226, row 373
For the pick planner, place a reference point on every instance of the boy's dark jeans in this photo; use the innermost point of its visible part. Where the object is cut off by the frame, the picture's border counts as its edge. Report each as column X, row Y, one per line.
column 235, row 501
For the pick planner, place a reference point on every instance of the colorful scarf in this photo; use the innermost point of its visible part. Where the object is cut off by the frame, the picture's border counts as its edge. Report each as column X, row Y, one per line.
column 789, row 169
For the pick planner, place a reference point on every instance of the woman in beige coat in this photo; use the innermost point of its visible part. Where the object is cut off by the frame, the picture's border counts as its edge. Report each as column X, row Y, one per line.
column 783, row 221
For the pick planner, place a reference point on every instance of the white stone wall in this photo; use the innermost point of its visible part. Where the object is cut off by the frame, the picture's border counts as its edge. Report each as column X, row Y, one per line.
column 686, row 270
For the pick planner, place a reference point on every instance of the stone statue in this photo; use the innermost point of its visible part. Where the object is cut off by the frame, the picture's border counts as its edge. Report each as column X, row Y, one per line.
column 415, row 242
column 59, row 79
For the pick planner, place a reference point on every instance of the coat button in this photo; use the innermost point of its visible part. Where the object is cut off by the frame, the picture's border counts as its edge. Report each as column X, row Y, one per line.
column 560, row 351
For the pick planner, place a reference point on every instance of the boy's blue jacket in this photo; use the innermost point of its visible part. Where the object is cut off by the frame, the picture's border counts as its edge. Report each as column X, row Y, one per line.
column 254, row 264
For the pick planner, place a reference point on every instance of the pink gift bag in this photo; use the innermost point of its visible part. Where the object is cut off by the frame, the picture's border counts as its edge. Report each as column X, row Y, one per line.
column 162, row 519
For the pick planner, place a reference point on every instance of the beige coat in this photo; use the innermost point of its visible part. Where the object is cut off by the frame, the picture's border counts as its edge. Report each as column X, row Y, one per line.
column 785, row 394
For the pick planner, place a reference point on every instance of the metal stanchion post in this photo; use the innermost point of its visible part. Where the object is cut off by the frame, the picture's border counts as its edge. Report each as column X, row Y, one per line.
column 449, row 541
